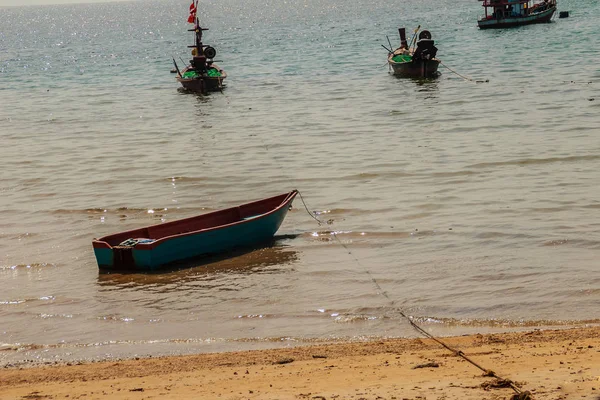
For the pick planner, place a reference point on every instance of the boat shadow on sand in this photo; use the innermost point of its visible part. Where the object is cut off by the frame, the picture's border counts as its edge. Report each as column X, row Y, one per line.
column 269, row 257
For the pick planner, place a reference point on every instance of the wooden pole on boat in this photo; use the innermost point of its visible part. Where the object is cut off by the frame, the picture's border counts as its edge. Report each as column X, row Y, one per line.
column 390, row 43
column 176, row 67
column 198, row 38
column 389, row 51
column 413, row 40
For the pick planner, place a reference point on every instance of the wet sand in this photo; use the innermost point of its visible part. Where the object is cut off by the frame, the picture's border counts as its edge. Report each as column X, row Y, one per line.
column 551, row 364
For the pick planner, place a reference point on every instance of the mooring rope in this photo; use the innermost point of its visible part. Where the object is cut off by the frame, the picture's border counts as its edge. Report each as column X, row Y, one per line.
column 520, row 395
column 465, row 77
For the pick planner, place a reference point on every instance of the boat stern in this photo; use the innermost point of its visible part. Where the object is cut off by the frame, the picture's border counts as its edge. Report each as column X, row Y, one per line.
column 122, row 257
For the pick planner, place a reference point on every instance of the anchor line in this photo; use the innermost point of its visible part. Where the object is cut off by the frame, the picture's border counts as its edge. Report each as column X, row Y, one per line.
column 520, row 395
column 464, row 77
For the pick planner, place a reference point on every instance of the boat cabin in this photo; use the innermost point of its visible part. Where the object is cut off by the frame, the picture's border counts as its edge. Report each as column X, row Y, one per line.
column 501, row 9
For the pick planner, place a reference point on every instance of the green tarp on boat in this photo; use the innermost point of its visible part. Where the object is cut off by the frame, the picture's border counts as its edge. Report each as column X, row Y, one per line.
column 213, row 72
column 402, row 58
column 190, row 74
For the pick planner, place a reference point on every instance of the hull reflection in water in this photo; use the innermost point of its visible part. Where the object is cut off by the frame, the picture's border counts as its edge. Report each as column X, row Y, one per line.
column 265, row 260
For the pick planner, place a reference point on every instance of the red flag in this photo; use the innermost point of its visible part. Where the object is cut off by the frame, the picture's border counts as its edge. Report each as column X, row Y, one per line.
column 192, row 17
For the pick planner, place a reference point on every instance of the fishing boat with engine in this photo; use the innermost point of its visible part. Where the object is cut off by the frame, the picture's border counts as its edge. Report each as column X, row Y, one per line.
column 509, row 13
column 216, row 232
column 416, row 59
column 202, row 75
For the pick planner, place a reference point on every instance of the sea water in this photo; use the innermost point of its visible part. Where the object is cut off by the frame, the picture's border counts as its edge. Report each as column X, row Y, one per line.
column 470, row 202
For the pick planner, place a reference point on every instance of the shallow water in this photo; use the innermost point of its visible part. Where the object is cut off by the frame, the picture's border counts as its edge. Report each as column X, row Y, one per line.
column 470, row 206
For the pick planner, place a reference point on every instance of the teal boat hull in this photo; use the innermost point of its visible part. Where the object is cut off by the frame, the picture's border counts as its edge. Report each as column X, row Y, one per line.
column 150, row 248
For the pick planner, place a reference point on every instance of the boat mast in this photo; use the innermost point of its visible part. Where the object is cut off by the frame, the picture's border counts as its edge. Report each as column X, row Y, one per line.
column 197, row 34
column 199, row 30
column 198, row 61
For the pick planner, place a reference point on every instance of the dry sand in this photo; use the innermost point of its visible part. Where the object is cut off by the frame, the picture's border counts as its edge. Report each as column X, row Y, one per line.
column 551, row 364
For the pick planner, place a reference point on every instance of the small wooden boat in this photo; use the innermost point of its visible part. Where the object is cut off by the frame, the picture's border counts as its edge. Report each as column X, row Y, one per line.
column 212, row 233
column 508, row 13
column 202, row 75
column 416, row 60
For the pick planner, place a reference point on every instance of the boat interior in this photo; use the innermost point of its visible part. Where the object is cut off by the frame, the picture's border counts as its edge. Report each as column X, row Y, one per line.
column 200, row 222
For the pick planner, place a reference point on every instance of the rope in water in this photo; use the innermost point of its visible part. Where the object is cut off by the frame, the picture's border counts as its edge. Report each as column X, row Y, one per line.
column 520, row 395
column 464, row 77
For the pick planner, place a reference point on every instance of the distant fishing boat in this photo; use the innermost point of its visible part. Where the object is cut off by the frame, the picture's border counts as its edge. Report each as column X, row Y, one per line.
column 151, row 247
column 508, row 13
column 202, row 75
column 414, row 59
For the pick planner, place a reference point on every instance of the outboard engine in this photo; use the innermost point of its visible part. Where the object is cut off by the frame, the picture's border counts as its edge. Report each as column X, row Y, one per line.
column 199, row 63
column 425, row 50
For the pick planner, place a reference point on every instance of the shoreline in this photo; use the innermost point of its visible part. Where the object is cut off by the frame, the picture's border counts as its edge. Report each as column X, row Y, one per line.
column 551, row 364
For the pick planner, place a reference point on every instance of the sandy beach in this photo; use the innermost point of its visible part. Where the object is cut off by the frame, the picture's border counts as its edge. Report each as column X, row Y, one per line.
column 550, row 364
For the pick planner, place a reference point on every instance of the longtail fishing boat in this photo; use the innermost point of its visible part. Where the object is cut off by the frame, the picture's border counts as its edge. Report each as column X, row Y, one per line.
column 508, row 13
column 216, row 232
column 415, row 59
column 202, row 75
